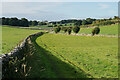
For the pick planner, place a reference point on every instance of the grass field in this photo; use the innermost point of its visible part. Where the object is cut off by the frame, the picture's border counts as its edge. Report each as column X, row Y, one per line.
column 68, row 56
column 45, row 65
column 105, row 30
column 96, row 56
column 46, row 26
column 42, row 26
column 68, row 25
column 12, row 36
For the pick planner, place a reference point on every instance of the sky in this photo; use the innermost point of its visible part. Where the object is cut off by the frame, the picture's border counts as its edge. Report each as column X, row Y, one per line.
column 60, row 0
column 52, row 11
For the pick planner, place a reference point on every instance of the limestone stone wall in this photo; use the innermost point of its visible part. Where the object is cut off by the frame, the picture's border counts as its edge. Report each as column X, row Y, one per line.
column 13, row 64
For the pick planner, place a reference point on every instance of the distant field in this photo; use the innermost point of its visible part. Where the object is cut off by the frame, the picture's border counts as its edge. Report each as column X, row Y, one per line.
column 97, row 56
column 68, row 25
column 42, row 26
column 46, row 26
column 106, row 30
column 12, row 36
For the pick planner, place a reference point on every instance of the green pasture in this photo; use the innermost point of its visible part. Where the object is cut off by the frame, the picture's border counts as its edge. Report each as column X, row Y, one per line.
column 68, row 56
column 42, row 26
column 104, row 30
column 46, row 65
column 46, row 26
column 68, row 25
column 12, row 36
column 96, row 56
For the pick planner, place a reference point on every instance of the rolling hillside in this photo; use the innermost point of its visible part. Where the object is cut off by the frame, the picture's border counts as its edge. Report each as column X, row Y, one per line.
column 12, row 36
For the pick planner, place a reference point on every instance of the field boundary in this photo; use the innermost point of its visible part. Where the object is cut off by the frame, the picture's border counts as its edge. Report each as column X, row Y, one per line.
column 90, row 35
column 15, row 62
column 99, row 35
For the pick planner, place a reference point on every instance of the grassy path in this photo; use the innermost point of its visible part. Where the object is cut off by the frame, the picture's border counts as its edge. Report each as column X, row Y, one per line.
column 45, row 65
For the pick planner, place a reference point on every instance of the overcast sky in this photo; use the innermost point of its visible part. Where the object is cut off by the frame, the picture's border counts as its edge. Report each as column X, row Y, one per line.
column 52, row 11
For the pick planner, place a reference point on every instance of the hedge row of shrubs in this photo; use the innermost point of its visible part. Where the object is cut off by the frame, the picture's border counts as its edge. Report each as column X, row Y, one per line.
column 103, row 23
column 75, row 29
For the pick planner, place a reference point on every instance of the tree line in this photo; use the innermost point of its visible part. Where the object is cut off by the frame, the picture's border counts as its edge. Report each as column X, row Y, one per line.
column 15, row 22
column 23, row 22
column 75, row 29
column 87, row 22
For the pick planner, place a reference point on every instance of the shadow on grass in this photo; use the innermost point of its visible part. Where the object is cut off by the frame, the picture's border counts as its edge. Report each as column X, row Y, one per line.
column 45, row 65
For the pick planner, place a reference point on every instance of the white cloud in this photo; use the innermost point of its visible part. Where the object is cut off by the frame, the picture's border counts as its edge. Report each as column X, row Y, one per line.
column 11, row 8
column 26, row 8
column 31, row 0
column 31, row 10
column 42, row 11
column 103, row 6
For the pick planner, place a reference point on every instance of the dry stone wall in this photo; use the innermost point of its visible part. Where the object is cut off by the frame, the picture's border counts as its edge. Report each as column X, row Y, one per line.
column 14, row 64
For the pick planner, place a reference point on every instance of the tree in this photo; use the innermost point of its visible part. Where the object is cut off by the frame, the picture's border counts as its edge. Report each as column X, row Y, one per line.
column 78, row 23
column 84, row 22
column 116, row 17
column 65, row 24
column 96, row 30
column 57, row 29
column 0, row 21
column 89, row 21
column 34, row 23
column 60, row 25
column 5, row 21
column 110, row 18
column 69, row 30
column 50, row 25
column 30, row 23
column 76, row 29
column 13, row 22
column 24, row 22
column 55, row 25
column 64, row 29
column 42, row 23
